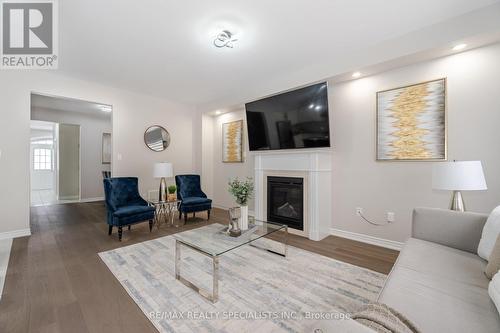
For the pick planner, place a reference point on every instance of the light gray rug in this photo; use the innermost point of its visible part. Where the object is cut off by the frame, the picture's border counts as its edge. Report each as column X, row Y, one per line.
column 258, row 291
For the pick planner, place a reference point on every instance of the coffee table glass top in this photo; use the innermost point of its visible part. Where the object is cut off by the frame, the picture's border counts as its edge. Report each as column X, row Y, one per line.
column 213, row 239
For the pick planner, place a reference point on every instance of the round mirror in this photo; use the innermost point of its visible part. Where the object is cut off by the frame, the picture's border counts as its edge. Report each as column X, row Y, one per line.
column 157, row 138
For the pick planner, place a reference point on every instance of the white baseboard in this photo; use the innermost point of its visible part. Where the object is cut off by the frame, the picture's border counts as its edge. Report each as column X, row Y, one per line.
column 69, row 198
column 390, row 244
column 15, row 233
column 92, row 199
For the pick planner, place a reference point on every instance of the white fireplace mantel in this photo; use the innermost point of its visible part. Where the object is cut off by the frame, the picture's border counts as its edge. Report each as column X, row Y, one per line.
column 315, row 166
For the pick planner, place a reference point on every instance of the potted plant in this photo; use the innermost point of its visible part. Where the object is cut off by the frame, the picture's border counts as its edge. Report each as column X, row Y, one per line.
column 171, row 193
column 242, row 191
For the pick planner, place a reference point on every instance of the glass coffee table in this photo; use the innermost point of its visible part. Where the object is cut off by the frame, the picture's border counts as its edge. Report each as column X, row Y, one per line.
column 213, row 241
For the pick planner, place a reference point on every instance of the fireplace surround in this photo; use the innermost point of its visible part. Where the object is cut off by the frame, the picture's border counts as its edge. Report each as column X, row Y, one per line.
column 314, row 167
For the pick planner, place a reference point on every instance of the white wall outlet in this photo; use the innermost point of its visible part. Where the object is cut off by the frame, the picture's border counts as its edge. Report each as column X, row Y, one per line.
column 359, row 211
column 391, row 217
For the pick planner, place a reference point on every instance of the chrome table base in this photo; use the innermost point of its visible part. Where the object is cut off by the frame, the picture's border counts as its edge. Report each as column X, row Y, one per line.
column 214, row 295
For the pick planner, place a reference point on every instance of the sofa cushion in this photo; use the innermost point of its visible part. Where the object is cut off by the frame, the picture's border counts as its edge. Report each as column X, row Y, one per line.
column 132, row 210
column 490, row 233
column 441, row 289
column 494, row 290
column 196, row 201
column 494, row 262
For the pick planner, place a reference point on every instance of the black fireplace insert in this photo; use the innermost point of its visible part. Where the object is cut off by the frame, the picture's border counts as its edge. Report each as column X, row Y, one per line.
column 285, row 201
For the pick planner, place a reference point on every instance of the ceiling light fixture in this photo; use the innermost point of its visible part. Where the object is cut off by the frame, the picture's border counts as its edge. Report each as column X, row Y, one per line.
column 225, row 39
column 459, row 47
column 218, row 112
column 356, row 75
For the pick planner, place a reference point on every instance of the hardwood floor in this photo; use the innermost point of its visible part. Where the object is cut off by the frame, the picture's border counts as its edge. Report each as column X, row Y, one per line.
column 57, row 283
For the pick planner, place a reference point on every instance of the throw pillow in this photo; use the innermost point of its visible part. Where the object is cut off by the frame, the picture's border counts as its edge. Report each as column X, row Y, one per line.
column 490, row 233
column 494, row 290
column 384, row 319
column 494, row 263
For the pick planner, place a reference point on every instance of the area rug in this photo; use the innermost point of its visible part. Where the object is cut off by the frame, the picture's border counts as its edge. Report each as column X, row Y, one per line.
column 258, row 291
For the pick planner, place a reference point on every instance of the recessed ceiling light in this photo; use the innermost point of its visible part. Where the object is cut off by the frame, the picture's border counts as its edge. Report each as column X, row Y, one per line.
column 356, row 74
column 459, row 47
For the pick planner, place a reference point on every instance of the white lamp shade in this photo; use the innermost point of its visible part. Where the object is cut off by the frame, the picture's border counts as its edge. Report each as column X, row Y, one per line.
column 163, row 170
column 459, row 176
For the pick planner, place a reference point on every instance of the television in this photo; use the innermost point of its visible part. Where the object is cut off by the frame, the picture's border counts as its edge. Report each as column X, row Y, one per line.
column 291, row 120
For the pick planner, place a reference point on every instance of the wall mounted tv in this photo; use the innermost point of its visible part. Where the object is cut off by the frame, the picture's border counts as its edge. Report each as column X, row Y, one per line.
column 292, row 120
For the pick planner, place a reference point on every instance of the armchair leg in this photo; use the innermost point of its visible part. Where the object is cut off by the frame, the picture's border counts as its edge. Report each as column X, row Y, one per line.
column 180, row 215
column 185, row 217
column 110, row 230
column 194, row 215
column 208, row 213
column 129, row 227
column 120, row 233
column 150, row 225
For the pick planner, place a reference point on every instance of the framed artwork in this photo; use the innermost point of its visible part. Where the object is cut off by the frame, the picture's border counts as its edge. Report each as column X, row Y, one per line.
column 106, row 148
column 232, row 142
column 411, row 122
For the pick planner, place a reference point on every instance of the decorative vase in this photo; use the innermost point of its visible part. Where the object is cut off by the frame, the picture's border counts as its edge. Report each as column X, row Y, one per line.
column 244, row 218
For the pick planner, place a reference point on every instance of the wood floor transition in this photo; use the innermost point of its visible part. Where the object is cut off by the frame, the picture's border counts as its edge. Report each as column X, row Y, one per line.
column 57, row 283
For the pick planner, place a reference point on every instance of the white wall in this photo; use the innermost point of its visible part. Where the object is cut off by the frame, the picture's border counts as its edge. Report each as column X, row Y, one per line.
column 222, row 172
column 473, row 79
column 132, row 114
column 92, row 126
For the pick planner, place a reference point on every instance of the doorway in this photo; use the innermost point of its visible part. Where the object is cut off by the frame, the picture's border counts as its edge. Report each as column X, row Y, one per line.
column 70, row 149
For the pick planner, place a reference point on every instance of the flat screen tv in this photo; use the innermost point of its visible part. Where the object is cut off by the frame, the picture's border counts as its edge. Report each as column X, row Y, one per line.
column 292, row 120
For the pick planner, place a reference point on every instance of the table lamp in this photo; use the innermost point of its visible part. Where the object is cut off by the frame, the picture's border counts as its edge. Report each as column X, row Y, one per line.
column 458, row 176
column 163, row 170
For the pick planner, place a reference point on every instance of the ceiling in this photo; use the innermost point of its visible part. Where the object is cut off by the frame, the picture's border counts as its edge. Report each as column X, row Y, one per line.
column 164, row 48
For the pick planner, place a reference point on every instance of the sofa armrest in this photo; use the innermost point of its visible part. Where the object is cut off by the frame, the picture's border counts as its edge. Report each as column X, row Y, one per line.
column 459, row 230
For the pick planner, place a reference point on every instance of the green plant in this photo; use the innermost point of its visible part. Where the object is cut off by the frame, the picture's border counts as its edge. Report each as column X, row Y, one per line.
column 241, row 190
column 172, row 189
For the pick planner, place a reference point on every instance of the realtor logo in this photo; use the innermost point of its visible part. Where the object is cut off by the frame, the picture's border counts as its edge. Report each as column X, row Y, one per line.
column 29, row 38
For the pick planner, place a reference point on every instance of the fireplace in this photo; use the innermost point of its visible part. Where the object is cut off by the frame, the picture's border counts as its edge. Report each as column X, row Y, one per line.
column 285, row 201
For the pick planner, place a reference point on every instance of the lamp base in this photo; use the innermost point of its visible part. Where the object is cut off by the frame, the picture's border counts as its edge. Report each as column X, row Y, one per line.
column 457, row 202
column 162, row 194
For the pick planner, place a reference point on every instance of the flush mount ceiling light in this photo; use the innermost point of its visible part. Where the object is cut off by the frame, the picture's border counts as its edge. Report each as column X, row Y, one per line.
column 459, row 47
column 356, row 75
column 225, row 39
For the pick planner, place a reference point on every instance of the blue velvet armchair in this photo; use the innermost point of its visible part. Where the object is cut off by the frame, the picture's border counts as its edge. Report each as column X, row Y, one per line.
column 124, row 204
column 193, row 198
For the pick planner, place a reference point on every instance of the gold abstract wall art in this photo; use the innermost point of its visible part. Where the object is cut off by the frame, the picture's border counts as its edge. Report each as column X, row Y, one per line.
column 411, row 122
column 232, row 136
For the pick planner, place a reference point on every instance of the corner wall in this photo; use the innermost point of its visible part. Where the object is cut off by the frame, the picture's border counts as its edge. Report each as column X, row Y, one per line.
column 222, row 172
column 132, row 114
column 473, row 107
column 358, row 180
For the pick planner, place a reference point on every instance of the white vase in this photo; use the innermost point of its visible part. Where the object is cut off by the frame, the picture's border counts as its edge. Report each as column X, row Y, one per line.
column 244, row 218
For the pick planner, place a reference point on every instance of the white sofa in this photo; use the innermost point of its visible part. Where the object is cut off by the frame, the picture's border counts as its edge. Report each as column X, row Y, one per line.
column 438, row 281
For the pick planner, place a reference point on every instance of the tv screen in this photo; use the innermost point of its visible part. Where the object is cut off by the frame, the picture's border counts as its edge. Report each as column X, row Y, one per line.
column 292, row 120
